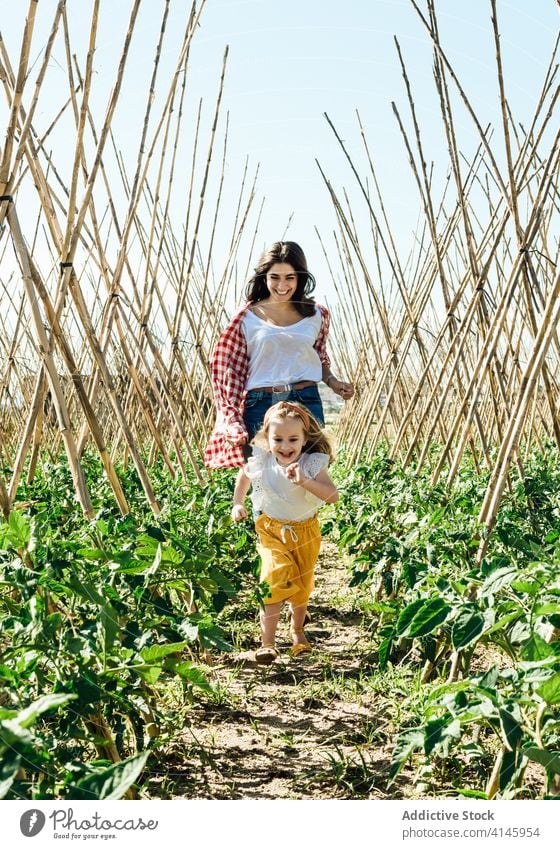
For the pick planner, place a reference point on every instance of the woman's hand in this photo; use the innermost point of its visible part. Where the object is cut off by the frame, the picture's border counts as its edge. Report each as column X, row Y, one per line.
column 341, row 388
column 238, row 513
column 236, row 438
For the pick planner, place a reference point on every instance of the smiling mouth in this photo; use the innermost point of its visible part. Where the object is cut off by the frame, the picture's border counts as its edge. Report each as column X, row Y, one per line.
column 283, row 456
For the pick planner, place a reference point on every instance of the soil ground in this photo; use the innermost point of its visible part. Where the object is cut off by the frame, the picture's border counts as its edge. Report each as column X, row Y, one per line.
column 320, row 726
column 302, row 728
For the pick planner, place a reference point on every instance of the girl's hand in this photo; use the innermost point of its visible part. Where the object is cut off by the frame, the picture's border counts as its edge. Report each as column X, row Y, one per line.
column 295, row 474
column 238, row 512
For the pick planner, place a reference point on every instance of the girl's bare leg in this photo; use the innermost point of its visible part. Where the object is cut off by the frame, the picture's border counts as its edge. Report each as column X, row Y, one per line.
column 298, row 619
column 269, row 622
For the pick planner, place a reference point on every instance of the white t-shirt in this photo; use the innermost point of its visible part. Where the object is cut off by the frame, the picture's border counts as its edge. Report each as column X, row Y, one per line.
column 281, row 354
column 271, row 491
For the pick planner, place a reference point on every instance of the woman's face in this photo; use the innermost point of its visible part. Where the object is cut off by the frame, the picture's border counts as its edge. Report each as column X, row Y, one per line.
column 281, row 282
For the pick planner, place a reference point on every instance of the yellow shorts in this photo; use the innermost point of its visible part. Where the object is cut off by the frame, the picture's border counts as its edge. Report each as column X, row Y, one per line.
column 289, row 552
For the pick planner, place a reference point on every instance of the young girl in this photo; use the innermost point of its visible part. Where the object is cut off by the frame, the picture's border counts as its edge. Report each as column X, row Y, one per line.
column 288, row 474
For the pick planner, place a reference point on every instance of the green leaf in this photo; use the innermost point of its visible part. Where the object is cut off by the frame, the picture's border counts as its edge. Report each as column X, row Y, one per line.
column 8, row 772
column 92, row 554
column 513, row 732
column 29, row 715
column 526, row 587
column 191, row 674
column 406, row 744
column 212, row 637
column 154, row 653
column 222, row 581
column 171, row 555
column 537, row 649
column 152, row 532
column 12, row 734
column 155, row 563
column 508, row 768
column 408, row 615
column 498, row 579
column 188, row 629
column 102, row 527
column 113, row 782
column 87, row 689
column 520, row 632
column 550, row 760
column 133, row 568
column 503, row 621
column 550, row 690
column 489, row 680
column 110, row 624
column 536, row 673
column 86, row 591
column 20, row 529
column 150, row 674
column 467, row 627
column 428, row 618
column 7, row 674
column 205, row 556
column 438, row 734
column 484, row 709
column 547, row 609
column 384, row 651
column 471, row 794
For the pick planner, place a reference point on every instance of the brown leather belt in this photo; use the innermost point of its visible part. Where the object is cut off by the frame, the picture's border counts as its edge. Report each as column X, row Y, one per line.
column 284, row 387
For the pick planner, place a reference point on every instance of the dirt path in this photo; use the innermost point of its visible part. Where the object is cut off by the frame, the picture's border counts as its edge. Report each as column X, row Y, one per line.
column 306, row 728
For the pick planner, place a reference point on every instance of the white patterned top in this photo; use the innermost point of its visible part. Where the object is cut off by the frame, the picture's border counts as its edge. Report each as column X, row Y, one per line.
column 272, row 493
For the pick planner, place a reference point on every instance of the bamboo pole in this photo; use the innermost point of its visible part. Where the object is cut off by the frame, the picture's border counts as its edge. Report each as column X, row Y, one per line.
column 5, row 163
column 549, row 322
column 43, row 348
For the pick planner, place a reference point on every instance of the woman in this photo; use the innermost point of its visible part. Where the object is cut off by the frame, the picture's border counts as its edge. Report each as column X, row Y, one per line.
column 274, row 349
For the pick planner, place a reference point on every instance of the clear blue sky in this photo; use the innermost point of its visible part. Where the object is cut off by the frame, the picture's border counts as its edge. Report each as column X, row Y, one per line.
column 291, row 61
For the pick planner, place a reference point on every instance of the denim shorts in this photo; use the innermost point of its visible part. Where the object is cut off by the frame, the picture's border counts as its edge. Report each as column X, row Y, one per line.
column 258, row 402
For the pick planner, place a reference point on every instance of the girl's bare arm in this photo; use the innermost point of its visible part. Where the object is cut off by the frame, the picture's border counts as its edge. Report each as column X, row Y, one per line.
column 242, row 485
column 321, row 486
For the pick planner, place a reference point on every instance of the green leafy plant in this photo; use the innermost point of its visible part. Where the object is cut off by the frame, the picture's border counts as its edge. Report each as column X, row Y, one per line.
column 100, row 616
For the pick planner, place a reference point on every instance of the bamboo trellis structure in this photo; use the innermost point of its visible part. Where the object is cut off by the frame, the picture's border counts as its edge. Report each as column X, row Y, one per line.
column 457, row 350
column 109, row 310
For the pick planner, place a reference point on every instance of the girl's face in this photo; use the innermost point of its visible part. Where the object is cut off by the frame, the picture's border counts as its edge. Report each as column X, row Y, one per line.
column 281, row 282
column 286, row 439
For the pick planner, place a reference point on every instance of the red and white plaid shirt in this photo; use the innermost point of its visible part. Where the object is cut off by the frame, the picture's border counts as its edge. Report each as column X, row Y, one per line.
column 229, row 367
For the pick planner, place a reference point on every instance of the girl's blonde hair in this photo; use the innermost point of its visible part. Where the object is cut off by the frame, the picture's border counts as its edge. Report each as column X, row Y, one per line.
column 316, row 439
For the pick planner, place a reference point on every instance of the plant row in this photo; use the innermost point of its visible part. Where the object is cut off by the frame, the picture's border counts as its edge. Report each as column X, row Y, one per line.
column 99, row 619
column 483, row 638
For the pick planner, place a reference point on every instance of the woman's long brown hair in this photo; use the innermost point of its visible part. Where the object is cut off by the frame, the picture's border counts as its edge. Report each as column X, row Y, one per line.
column 291, row 254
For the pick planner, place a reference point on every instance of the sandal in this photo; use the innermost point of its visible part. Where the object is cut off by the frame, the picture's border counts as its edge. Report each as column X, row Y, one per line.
column 299, row 648
column 265, row 655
